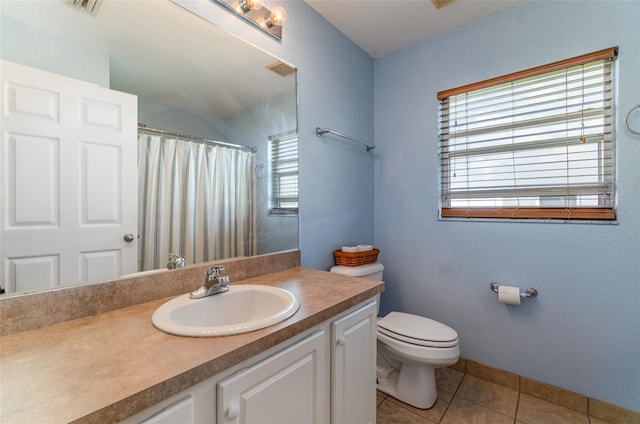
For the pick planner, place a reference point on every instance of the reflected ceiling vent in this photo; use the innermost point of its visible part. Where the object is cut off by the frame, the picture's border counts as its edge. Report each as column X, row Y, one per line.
column 441, row 3
column 281, row 68
column 89, row 6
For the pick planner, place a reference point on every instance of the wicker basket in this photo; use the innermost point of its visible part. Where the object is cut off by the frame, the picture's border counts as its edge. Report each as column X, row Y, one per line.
column 356, row 258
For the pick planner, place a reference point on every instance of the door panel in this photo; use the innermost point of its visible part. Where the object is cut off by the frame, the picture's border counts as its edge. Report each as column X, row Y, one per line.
column 101, row 188
column 34, row 195
column 32, row 101
column 32, row 273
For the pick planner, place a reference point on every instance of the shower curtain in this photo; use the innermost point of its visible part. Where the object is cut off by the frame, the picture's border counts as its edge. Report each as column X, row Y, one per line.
column 195, row 200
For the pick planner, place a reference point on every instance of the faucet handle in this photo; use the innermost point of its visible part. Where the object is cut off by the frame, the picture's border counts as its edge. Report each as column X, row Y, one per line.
column 214, row 283
column 214, row 271
column 175, row 261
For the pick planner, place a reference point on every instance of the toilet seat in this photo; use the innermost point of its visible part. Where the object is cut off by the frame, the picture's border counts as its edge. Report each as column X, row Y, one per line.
column 417, row 330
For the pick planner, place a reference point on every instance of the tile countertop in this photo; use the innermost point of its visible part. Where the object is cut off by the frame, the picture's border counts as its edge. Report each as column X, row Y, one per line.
column 107, row 367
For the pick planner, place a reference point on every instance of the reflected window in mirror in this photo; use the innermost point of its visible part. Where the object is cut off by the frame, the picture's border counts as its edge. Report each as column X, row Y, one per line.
column 283, row 174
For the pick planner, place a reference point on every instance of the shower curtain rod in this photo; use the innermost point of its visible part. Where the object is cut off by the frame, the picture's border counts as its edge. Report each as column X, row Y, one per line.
column 252, row 149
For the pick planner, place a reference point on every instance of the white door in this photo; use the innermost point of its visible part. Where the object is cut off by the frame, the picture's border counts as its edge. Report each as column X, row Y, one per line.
column 68, row 182
column 353, row 367
column 289, row 387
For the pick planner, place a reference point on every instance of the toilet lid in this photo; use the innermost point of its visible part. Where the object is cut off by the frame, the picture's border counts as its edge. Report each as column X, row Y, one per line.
column 417, row 330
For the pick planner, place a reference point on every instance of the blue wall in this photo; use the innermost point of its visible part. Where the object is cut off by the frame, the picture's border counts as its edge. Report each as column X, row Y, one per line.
column 583, row 332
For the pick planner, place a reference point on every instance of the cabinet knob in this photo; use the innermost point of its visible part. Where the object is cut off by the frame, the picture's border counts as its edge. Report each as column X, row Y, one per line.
column 233, row 411
column 341, row 341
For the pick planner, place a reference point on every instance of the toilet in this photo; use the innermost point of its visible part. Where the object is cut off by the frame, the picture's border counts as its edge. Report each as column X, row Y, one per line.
column 410, row 347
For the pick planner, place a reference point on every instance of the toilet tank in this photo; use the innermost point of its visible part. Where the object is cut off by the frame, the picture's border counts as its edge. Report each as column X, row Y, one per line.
column 370, row 271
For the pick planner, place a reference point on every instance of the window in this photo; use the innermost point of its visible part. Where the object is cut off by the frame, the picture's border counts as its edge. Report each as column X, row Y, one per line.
column 534, row 144
column 283, row 171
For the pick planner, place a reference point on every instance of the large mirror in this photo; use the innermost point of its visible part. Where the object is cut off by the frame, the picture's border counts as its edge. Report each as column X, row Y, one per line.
column 144, row 125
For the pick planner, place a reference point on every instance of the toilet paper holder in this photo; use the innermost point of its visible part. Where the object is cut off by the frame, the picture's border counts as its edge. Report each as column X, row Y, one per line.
column 528, row 293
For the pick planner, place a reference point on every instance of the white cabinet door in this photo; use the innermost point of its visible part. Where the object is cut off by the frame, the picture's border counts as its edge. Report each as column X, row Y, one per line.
column 288, row 387
column 179, row 413
column 68, row 180
column 353, row 367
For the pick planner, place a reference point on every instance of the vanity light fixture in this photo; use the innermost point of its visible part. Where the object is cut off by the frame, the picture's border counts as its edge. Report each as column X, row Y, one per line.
column 269, row 21
column 441, row 3
column 277, row 17
column 245, row 6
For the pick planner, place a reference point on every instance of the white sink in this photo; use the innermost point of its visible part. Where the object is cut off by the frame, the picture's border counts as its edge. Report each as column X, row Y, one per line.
column 244, row 308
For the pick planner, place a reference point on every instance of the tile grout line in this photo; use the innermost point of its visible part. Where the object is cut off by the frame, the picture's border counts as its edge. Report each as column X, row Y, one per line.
column 446, row 409
column 453, row 395
column 515, row 418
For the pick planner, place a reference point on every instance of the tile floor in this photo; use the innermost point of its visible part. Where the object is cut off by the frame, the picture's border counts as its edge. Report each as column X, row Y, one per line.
column 465, row 399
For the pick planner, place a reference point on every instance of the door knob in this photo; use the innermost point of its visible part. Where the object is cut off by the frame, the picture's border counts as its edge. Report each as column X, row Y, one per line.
column 129, row 238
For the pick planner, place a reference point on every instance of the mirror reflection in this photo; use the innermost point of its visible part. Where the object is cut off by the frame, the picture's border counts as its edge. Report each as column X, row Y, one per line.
column 135, row 138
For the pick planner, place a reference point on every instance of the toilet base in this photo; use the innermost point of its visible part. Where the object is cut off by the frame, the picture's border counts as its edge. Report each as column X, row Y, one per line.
column 412, row 384
column 387, row 383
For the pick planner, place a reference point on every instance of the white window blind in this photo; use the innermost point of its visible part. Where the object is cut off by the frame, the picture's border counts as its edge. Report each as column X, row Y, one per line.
column 534, row 144
column 283, row 171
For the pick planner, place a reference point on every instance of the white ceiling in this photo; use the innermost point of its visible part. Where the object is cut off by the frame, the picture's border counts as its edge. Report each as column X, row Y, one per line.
column 381, row 27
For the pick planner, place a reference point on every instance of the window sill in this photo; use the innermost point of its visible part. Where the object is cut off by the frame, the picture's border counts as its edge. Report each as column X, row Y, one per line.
column 529, row 220
column 523, row 213
column 283, row 212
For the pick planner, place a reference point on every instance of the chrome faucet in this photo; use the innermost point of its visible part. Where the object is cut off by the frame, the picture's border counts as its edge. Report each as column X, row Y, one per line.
column 214, row 283
column 175, row 261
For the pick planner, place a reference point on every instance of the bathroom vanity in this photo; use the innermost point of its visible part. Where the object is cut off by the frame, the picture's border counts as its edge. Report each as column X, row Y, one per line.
column 116, row 366
column 303, row 380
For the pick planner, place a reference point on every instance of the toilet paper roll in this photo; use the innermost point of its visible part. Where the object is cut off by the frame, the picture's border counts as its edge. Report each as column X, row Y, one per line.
column 509, row 295
column 364, row 247
column 349, row 248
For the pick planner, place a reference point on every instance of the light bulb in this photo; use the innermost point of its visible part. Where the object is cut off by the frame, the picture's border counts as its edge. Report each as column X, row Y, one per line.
column 249, row 5
column 278, row 17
